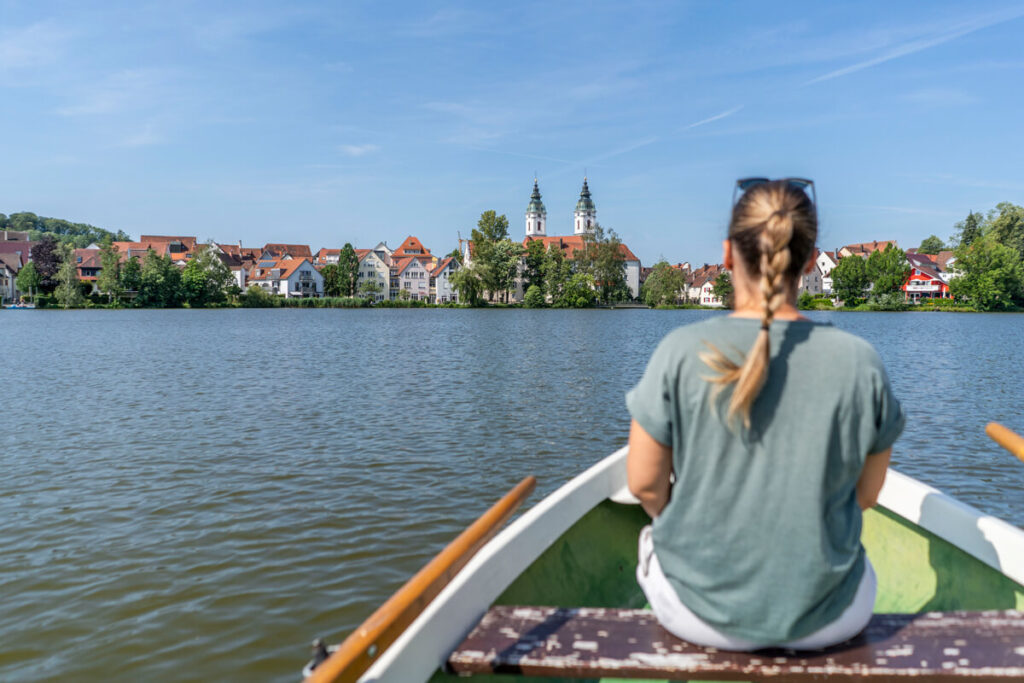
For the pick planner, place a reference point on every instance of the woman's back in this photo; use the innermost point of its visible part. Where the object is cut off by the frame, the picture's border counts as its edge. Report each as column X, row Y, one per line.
column 761, row 535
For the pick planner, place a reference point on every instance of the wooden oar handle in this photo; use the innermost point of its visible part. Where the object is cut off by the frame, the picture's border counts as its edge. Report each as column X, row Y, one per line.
column 1006, row 438
column 357, row 652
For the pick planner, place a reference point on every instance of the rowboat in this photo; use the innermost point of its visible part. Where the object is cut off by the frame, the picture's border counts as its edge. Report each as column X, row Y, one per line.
column 949, row 577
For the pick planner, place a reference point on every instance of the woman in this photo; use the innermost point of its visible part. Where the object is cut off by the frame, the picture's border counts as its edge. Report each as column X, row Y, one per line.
column 755, row 542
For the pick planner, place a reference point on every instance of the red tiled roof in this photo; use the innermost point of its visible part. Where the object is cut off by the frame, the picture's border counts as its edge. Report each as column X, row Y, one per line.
column 441, row 266
column 402, row 263
column 570, row 244
column 866, row 248
column 704, row 274
column 287, row 266
column 412, row 247
column 293, row 250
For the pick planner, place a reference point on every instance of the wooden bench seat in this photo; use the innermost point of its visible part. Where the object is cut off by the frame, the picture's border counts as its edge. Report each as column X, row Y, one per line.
column 629, row 643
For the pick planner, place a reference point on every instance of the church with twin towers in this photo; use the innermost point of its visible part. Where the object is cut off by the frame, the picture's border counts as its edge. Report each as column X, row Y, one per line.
column 584, row 219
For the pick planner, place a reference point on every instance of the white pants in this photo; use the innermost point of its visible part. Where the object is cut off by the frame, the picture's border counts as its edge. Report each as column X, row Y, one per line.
column 677, row 619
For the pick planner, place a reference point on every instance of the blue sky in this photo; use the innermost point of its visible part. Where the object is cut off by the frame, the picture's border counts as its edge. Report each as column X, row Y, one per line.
column 329, row 122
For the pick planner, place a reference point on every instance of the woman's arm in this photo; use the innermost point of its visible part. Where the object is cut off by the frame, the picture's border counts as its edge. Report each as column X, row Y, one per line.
column 871, row 478
column 648, row 466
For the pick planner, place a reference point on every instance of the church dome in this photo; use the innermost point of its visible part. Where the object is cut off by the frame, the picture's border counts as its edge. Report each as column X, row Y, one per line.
column 535, row 205
column 585, row 203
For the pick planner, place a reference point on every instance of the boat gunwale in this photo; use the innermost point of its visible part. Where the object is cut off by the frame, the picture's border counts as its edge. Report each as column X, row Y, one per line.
column 990, row 540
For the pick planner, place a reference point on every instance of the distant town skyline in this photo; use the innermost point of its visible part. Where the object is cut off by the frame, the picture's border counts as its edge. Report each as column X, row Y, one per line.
column 326, row 124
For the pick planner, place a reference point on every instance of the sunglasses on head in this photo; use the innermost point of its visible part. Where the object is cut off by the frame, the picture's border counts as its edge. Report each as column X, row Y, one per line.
column 744, row 184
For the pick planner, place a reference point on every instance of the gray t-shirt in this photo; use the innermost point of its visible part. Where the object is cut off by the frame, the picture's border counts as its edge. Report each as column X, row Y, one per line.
column 761, row 536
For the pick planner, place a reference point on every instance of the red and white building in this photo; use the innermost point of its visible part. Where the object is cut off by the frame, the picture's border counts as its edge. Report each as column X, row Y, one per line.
column 929, row 276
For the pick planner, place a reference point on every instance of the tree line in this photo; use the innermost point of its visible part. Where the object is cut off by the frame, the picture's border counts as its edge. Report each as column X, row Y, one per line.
column 595, row 273
column 78, row 235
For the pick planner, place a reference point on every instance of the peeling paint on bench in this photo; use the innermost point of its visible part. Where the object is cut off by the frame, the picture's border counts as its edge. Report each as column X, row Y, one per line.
column 624, row 643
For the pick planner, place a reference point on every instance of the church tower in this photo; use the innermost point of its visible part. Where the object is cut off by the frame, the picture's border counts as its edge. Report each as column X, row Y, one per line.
column 585, row 215
column 536, row 214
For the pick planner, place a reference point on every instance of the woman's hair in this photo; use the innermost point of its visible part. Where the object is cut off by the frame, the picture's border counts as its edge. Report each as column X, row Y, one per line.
column 773, row 229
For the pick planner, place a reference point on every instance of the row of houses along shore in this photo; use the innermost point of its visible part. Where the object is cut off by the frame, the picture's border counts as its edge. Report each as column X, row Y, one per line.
column 929, row 277
column 411, row 271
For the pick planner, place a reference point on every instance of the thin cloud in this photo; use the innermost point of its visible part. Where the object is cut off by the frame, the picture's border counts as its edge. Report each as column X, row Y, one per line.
column 906, row 210
column 939, row 97
column 36, row 45
column 716, row 117
column 358, row 150
column 125, row 90
column 146, row 136
column 523, row 156
column 920, row 44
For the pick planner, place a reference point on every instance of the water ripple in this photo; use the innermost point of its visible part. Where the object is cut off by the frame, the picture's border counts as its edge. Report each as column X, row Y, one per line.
column 192, row 495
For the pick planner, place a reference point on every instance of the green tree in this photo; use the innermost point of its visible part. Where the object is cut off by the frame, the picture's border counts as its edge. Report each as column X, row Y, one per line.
column 78, row 235
column 68, row 293
column 887, row 270
column 455, row 254
column 990, row 275
column 370, row 289
column 1006, row 224
column 348, row 270
column 131, row 275
column 723, row 288
column 469, row 285
column 491, row 228
column 850, row 279
column 533, row 265
column 931, row 245
column 503, row 267
column 28, row 279
column 257, row 297
column 47, row 257
column 557, row 271
column 664, row 284
column 159, row 282
column 534, row 297
column 603, row 259
column 496, row 256
column 332, row 280
column 109, row 279
column 805, row 301
column 579, row 291
column 969, row 229
column 205, row 279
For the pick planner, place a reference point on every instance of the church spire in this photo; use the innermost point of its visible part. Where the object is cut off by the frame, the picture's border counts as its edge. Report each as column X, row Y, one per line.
column 585, row 216
column 536, row 214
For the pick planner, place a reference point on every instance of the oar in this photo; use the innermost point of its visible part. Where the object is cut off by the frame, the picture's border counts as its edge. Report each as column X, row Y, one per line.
column 1006, row 438
column 357, row 652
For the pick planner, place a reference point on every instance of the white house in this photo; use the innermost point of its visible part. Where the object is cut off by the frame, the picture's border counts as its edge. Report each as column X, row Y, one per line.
column 10, row 264
column 289, row 277
column 373, row 268
column 826, row 261
column 412, row 276
column 441, row 290
column 700, row 288
column 811, row 282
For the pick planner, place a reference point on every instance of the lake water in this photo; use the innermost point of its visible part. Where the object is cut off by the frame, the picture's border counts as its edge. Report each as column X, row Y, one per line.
column 190, row 495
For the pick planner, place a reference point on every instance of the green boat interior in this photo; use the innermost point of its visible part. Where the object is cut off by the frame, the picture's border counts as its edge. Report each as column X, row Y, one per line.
column 918, row 572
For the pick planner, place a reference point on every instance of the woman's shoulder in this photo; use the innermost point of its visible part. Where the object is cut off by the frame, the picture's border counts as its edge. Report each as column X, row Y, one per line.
column 843, row 342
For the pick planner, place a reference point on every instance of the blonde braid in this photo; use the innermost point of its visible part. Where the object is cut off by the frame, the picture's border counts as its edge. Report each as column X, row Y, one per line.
column 764, row 222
